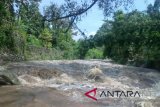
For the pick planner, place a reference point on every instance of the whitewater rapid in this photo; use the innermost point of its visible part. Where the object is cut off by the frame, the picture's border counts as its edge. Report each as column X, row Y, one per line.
column 73, row 78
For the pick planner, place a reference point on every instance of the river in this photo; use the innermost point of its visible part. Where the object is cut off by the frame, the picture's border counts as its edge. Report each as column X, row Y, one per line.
column 63, row 83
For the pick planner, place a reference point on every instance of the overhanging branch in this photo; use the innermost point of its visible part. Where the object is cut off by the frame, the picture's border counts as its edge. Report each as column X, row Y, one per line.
column 70, row 24
column 79, row 12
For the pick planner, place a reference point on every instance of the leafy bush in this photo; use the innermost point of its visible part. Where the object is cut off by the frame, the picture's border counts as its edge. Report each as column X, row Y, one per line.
column 94, row 54
column 32, row 40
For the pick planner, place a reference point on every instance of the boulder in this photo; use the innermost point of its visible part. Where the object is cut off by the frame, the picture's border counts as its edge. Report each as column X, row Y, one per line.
column 4, row 80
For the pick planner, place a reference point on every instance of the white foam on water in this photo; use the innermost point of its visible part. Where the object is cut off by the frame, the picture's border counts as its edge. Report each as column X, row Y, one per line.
column 29, row 80
column 69, row 84
column 2, row 68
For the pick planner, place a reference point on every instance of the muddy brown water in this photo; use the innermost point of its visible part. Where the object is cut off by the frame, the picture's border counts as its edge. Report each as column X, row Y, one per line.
column 19, row 96
column 63, row 84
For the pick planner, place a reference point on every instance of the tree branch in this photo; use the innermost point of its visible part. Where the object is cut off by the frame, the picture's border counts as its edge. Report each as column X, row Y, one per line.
column 70, row 24
column 79, row 12
column 82, row 33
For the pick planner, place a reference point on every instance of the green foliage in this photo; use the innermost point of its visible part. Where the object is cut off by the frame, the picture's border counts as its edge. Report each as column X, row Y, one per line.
column 32, row 40
column 132, row 37
column 84, row 45
column 46, row 38
column 26, row 27
column 6, row 25
column 30, row 16
column 94, row 54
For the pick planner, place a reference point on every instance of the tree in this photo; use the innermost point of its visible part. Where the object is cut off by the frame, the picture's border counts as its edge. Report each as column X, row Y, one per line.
column 133, row 36
column 6, row 24
column 33, row 23
column 94, row 54
column 74, row 10
column 154, row 10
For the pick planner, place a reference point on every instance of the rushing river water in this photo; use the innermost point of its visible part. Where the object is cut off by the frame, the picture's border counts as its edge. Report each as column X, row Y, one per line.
column 64, row 83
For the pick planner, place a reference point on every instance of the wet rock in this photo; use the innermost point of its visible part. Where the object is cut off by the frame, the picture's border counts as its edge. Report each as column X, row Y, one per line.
column 4, row 80
column 7, row 78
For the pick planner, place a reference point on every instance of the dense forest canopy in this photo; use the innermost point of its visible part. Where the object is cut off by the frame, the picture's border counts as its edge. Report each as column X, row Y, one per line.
column 21, row 23
column 132, row 37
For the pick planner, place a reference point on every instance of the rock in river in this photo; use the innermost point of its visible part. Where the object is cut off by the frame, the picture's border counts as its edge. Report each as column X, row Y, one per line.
column 4, row 80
